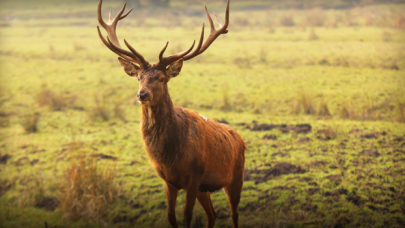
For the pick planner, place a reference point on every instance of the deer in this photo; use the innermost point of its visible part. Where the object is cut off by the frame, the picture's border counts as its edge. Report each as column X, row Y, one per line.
column 188, row 151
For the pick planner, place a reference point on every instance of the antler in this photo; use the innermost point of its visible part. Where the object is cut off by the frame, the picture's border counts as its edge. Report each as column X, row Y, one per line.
column 164, row 61
column 213, row 33
column 113, row 43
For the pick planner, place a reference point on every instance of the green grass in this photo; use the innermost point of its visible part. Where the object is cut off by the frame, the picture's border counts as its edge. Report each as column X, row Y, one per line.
column 261, row 71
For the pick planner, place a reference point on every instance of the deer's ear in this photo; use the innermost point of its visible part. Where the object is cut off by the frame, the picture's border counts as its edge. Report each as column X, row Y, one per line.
column 174, row 69
column 130, row 68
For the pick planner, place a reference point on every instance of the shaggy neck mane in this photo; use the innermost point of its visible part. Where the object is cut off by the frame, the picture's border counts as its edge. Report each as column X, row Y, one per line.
column 160, row 130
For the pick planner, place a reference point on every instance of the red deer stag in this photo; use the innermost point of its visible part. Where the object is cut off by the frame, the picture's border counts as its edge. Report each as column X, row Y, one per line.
column 187, row 150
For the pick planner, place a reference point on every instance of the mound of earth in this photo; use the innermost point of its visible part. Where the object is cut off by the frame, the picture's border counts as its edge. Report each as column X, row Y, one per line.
column 284, row 128
column 279, row 169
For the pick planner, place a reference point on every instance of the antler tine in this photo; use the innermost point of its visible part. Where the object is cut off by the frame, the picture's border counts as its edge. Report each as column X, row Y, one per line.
column 165, row 61
column 210, row 20
column 133, row 56
column 213, row 33
column 162, row 52
column 136, row 54
column 113, row 43
column 112, row 49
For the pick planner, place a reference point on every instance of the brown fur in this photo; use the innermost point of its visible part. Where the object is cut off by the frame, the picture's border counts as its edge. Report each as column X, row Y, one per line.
column 187, row 150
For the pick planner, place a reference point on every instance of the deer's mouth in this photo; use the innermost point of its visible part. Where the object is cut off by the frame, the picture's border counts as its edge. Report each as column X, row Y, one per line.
column 144, row 102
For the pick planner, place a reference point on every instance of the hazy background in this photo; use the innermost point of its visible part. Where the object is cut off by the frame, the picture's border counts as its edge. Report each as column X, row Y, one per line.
column 315, row 88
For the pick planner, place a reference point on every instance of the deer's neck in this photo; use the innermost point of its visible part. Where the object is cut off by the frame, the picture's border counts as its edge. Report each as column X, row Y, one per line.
column 159, row 127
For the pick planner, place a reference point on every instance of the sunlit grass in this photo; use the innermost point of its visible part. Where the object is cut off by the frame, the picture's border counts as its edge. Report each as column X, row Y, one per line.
column 341, row 71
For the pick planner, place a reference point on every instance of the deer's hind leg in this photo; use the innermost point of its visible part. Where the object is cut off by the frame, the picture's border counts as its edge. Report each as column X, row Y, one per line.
column 205, row 201
column 234, row 191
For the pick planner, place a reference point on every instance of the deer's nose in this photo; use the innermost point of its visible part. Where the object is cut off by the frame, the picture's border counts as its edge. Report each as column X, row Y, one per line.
column 143, row 96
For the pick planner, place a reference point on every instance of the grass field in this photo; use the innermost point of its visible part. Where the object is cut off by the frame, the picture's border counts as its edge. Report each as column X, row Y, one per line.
column 71, row 154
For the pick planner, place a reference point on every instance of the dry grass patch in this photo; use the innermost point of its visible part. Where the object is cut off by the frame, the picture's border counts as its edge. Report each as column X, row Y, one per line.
column 287, row 20
column 100, row 111
column 30, row 122
column 56, row 102
column 304, row 104
column 87, row 192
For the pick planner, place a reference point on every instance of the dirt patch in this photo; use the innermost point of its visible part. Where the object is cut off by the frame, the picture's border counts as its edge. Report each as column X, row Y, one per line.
column 342, row 222
column 355, row 199
column 223, row 121
column 342, row 191
column 326, row 134
column 312, row 191
column 223, row 214
column 279, row 153
column 372, row 135
column 267, row 174
column 370, row 153
column 318, row 163
column 284, row 128
column 299, row 128
column 305, row 179
column 337, row 179
column 263, row 127
column 48, row 203
column 355, row 131
column 302, row 128
column 398, row 139
column 271, row 137
column 21, row 161
column 309, row 207
column 104, row 156
column 35, row 161
column 4, row 158
column 134, row 163
column 281, row 188
column 304, row 140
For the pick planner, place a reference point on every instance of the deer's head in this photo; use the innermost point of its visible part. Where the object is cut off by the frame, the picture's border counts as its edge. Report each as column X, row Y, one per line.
column 153, row 78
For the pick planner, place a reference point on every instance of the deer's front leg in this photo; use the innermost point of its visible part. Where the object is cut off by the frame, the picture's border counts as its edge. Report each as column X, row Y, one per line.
column 191, row 196
column 171, row 195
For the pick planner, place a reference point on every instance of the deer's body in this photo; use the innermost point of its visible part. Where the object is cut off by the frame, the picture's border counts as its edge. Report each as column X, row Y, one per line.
column 187, row 150
column 182, row 141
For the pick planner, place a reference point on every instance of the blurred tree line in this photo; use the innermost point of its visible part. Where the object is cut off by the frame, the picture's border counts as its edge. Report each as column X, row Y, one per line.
column 297, row 4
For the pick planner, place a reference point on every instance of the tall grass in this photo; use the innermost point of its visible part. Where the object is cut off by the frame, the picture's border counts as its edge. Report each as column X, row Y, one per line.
column 86, row 191
column 30, row 121
column 56, row 102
